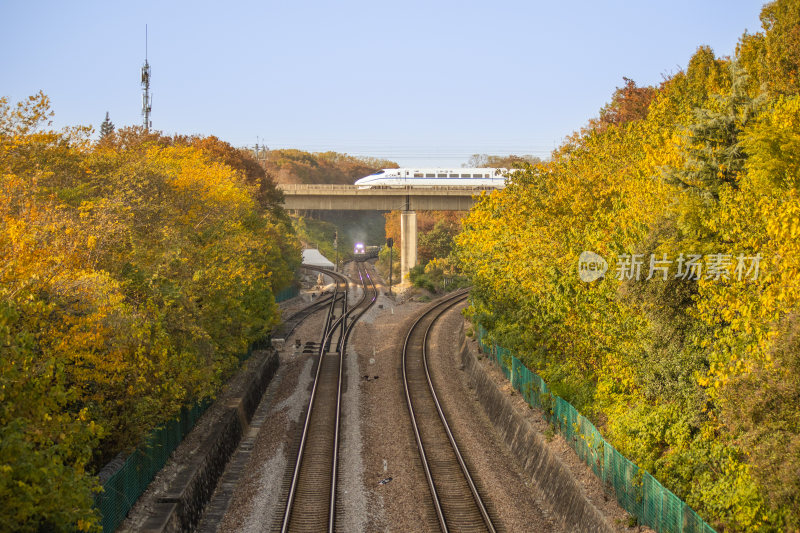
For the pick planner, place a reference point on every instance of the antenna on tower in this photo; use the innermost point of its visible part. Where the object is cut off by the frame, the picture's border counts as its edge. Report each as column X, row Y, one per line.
column 147, row 102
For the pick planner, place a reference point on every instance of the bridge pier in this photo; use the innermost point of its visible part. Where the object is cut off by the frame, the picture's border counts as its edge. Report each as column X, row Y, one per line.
column 328, row 197
column 408, row 242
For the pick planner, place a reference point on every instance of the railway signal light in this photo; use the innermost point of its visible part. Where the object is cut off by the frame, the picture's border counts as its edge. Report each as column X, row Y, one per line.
column 389, row 242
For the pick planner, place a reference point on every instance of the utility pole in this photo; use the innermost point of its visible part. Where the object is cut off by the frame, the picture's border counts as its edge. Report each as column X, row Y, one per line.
column 147, row 103
column 390, row 243
column 336, row 245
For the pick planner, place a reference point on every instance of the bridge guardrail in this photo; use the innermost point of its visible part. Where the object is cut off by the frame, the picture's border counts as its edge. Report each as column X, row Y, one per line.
column 340, row 187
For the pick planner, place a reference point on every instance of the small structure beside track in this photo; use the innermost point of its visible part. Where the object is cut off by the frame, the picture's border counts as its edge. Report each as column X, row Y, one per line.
column 313, row 257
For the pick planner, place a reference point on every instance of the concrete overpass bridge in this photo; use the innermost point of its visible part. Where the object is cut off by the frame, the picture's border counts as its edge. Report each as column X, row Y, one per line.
column 408, row 200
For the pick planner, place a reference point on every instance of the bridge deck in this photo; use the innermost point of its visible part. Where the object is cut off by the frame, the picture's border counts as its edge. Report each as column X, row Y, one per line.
column 346, row 197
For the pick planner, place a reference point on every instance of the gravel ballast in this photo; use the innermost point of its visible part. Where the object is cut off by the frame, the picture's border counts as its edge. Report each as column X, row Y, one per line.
column 381, row 481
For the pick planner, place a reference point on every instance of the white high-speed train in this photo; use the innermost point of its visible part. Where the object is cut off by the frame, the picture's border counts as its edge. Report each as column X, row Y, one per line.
column 429, row 177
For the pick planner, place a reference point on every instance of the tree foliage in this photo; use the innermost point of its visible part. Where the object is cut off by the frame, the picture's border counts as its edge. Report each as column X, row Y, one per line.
column 695, row 380
column 499, row 161
column 297, row 166
column 133, row 273
column 436, row 231
column 627, row 104
column 106, row 127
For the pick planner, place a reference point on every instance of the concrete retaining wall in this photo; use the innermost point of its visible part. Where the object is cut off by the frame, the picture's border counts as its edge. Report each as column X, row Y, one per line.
column 181, row 506
column 564, row 496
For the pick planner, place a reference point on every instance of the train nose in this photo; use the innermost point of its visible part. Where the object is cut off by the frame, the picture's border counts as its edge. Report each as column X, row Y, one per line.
column 363, row 183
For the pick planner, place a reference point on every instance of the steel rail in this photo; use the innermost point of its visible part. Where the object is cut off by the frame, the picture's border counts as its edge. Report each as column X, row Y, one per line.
column 219, row 504
column 478, row 500
column 297, row 318
column 437, row 310
column 341, row 345
column 362, row 273
column 327, row 332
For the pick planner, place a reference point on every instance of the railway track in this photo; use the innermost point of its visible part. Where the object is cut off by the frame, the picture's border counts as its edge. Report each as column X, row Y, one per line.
column 454, row 495
column 291, row 323
column 311, row 496
column 218, row 506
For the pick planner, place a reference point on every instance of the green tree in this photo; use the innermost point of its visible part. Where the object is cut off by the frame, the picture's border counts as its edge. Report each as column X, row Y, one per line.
column 714, row 156
column 106, row 128
column 438, row 242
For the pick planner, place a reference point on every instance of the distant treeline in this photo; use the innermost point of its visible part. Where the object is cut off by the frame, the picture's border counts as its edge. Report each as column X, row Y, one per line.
column 500, row 161
column 297, row 166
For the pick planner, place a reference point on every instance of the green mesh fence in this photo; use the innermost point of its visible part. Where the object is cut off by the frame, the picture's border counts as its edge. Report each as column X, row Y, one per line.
column 637, row 491
column 285, row 294
column 123, row 488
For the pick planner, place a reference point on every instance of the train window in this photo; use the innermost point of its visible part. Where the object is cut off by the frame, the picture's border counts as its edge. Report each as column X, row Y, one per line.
column 453, row 175
column 442, row 175
column 378, row 173
column 430, row 175
column 477, row 175
column 465, row 175
column 418, row 175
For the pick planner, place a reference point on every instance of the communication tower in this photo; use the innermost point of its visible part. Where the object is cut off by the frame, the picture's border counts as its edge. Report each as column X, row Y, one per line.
column 147, row 102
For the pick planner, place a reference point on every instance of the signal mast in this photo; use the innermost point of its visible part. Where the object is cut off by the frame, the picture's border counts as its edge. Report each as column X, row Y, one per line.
column 147, row 102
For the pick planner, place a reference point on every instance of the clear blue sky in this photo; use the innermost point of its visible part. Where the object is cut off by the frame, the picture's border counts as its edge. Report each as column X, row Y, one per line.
column 422, row 83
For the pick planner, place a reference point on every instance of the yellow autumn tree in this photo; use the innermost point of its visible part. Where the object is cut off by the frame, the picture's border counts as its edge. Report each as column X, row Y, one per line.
column 696, row 380
column 135, row 272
